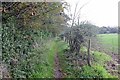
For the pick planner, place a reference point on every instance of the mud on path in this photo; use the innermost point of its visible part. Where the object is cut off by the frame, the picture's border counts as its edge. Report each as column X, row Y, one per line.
column 4, row 73
column 58, row 72
column 114, row 64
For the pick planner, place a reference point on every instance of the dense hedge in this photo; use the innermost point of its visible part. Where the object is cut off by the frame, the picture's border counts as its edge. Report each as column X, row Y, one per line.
column 16, row 48
column 22, row 24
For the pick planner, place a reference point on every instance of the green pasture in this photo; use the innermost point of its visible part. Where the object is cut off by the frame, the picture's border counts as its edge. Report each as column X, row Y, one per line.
column 109, row 40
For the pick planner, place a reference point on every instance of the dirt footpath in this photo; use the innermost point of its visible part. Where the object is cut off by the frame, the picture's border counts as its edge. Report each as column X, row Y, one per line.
column 58, row 72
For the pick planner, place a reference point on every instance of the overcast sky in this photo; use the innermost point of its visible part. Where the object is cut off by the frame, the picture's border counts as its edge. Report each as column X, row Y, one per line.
column 98, row 12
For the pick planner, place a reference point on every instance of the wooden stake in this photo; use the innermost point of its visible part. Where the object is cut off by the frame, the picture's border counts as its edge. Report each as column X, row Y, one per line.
column 88, row 59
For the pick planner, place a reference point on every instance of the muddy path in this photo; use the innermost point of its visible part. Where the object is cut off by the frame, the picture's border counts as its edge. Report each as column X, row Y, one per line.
column 58, row 71
column 4, row 73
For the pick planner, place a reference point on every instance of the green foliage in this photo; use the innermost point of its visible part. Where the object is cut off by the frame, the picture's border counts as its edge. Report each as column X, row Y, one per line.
column 46, row 66
column 79, row 34
column 25, row 27
column 107, row 30
column 96, row 71
column 83, row 49
column 97, row 57
column 87, row 29
column 16, row 45
column 100, row 58
column 29, row 48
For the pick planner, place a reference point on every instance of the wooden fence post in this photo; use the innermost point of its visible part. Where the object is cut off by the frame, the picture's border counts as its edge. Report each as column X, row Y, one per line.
column 112, row 46
column 88, row 59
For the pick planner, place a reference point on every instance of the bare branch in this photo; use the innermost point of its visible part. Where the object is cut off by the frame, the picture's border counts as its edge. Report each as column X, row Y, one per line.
column 78, row 13
column 74, row 15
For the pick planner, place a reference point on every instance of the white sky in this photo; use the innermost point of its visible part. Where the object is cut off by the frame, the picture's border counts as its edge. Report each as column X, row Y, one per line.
column 98, row 12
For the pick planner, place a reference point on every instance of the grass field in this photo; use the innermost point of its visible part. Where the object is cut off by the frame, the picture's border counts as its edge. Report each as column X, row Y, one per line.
column 110, row 40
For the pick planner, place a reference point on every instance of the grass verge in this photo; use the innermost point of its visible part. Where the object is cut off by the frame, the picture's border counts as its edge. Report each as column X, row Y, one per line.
column 95, row 71
column 45, row 69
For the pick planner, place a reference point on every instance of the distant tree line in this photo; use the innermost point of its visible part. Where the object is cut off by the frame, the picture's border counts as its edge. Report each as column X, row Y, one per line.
column 104, row 30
